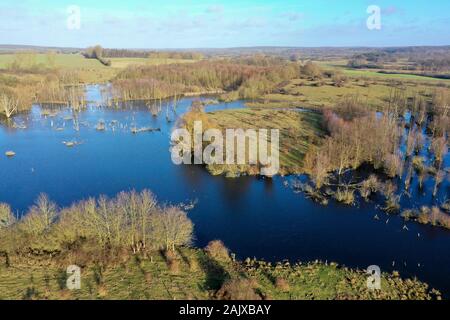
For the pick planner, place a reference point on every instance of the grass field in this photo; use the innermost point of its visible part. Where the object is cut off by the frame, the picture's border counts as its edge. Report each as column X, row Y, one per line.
column 299, row 131
column 374, row 93
column 90, row 70
column 199, row 277
column 375, row 74
column 60, row 60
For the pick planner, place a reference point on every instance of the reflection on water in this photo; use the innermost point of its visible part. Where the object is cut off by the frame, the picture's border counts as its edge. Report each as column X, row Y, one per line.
column 254, row 216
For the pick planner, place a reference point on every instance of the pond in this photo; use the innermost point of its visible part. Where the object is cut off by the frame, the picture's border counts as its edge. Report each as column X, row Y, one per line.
column 255, row 217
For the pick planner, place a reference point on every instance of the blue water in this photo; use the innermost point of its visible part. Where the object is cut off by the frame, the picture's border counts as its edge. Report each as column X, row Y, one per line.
column 255, row 217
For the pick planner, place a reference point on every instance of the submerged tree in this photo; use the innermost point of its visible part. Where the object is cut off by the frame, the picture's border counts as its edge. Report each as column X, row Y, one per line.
column 6, row 216
column 8, row 105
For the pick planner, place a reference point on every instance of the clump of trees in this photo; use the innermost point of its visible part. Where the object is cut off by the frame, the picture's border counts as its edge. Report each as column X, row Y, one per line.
column 96, row 52
column 435, row 64
column 374, row 59
column 182, row 55
column 426, row 215
column 217, row 250
column 248, row 79
column 128, row 53
column 43, row 83
column 370, row 139
column 130, row 221
column 311, row 70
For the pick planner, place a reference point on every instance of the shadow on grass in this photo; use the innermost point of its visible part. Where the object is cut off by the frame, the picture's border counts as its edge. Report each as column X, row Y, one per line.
column 216, row 274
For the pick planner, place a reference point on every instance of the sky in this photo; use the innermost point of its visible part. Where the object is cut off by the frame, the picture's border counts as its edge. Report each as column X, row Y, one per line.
column 221, row 24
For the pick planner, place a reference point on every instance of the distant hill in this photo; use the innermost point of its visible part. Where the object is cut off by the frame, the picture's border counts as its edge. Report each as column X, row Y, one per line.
column 321, row 53
column 9, row 48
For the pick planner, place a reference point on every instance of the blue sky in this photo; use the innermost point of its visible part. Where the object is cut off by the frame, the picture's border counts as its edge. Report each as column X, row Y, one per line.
column 231, row 23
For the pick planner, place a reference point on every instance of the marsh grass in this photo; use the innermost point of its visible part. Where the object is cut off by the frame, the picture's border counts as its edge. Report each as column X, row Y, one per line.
column 345, row 195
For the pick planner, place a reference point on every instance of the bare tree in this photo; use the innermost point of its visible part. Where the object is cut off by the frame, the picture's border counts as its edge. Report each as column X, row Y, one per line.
column 6, row 216
column 8, row 105
column 41, row 216
column 439, row 147
column 173, row 227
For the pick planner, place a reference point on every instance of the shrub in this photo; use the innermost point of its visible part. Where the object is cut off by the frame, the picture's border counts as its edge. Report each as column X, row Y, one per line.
column 282, row 284
column 439, row 218
column 237, row 289
column 423, row 216
column 446, row 206
column 392, row 204
column 173, row 263
column 217, row 250
column 409, row 214
column 393, row 165
column 439, row 147
column 418, row 164
column 311, row 70
column 346, row 196
column 369, row 186
column 339, row 79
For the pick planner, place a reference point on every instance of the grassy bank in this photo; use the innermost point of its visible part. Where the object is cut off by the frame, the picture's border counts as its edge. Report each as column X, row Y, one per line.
column 198, row 275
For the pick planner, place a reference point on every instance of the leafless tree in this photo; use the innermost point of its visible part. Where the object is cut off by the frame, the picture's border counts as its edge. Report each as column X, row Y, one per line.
column 8, row 105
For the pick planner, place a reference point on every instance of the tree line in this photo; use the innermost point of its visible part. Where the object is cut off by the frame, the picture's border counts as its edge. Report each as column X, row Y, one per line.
column 161, row 81
column 28, row 80
column 96, row 52
column 130, row 221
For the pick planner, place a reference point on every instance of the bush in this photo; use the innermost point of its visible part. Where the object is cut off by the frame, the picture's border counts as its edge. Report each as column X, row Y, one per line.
column 237, row 289
column 409, row 214
column 217, row 250
column 339, row 79
column 418, row 164
column 423, row 216
column 369, row 186
column 439, row 218
column 346, row 196
column 173, row 263
column 392, row 204
column 282, row 284
column 311, row 70
column 446, row 206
